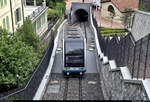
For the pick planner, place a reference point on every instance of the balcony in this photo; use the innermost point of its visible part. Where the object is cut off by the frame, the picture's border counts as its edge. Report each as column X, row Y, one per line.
column 33, row 12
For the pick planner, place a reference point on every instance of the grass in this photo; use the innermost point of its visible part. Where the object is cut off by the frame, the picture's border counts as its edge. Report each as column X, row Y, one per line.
column 111, row 32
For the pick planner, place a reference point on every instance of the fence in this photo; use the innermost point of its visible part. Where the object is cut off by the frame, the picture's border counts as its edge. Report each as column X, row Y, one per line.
column 126, row 52
column 144, row 5
column 28, row 92
column 50, row 25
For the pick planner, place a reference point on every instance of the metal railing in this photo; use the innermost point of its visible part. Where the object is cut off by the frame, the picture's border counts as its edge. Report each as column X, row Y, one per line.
column 36, row 12
column 50, row 26
column 28, row 91
column 127, row 52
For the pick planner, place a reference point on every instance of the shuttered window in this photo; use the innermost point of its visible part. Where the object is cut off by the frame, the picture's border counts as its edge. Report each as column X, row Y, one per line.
column 38, row 23
column 15, row 17
column 18, row 15
column 4, row 24
column 7, row 22
column 43, row 19
column 1, row 3
column 5, row 1
column 34, row 27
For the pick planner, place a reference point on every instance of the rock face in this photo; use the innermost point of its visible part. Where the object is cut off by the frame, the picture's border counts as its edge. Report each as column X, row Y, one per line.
column 141, row 24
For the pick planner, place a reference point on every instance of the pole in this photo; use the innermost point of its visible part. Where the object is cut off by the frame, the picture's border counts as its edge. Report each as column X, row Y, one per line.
column 17, row 80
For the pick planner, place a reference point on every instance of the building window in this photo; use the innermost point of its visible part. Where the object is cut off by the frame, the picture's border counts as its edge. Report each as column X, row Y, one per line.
column 34, row 27
column 3, row 3
column 4, row 24
column 7, row 22
column 43, row 19
column 111, row 9
column 39, row 23
column 18, row 15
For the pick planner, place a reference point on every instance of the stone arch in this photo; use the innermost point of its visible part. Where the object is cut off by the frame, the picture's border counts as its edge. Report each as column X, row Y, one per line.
column 111, row 9
column 81, row 14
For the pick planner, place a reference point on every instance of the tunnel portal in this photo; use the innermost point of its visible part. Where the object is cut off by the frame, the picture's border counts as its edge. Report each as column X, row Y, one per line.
column 81, row 15
column 80, row 12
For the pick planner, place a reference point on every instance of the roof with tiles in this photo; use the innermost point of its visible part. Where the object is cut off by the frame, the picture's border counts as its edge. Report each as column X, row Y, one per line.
column 123, row 4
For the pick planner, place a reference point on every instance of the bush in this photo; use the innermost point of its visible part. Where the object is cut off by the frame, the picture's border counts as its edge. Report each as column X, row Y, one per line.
column 31, row 2
column 56, row 8
column 52, row 14
column 111, row 31
column 38, row 2
column 61, row 6
column 51, row 4
column 16, row 57
column 27, row 35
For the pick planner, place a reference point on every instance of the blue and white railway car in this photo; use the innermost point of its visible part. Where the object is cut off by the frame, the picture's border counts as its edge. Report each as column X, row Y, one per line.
column 74, row 51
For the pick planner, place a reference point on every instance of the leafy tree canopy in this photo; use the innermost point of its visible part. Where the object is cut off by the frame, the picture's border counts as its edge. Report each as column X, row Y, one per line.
column 19, row 54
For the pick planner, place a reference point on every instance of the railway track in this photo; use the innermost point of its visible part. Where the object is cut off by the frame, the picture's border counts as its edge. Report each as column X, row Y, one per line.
column 72, row 90
column 75, row 88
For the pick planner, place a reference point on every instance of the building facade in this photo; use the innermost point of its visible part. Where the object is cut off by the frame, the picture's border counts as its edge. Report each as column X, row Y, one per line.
column 118, row 8
column 14, row 12
column 11, row 14
column 38, row 16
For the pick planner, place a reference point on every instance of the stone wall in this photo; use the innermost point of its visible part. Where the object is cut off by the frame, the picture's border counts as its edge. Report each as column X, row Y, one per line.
column 105, row 13
column 116, row 82
column 141, row 24
column 116, row 85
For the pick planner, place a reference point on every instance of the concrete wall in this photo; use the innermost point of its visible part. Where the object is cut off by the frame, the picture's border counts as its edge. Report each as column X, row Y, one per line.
column 141, row 25
column 106, row 14
column 115, row 87
column 77, row 6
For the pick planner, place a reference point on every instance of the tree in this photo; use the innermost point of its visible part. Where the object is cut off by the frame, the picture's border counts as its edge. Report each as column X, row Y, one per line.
column 16, row 57
column 39, row 2
column 27, row 35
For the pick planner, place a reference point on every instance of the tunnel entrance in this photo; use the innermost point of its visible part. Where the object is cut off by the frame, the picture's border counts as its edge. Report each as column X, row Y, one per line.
column 82, row 15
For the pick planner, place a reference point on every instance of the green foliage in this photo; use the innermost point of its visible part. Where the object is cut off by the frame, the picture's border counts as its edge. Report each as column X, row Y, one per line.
column 16, row 57
column 27, row 35
column 127, row 16
column 61, row 6
column 52, row 14
column 141, row 7
column 51, row 4
column 31, row 2
column 19, row 54
column 39, row 2
column 56, row 8
column 111, row 31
